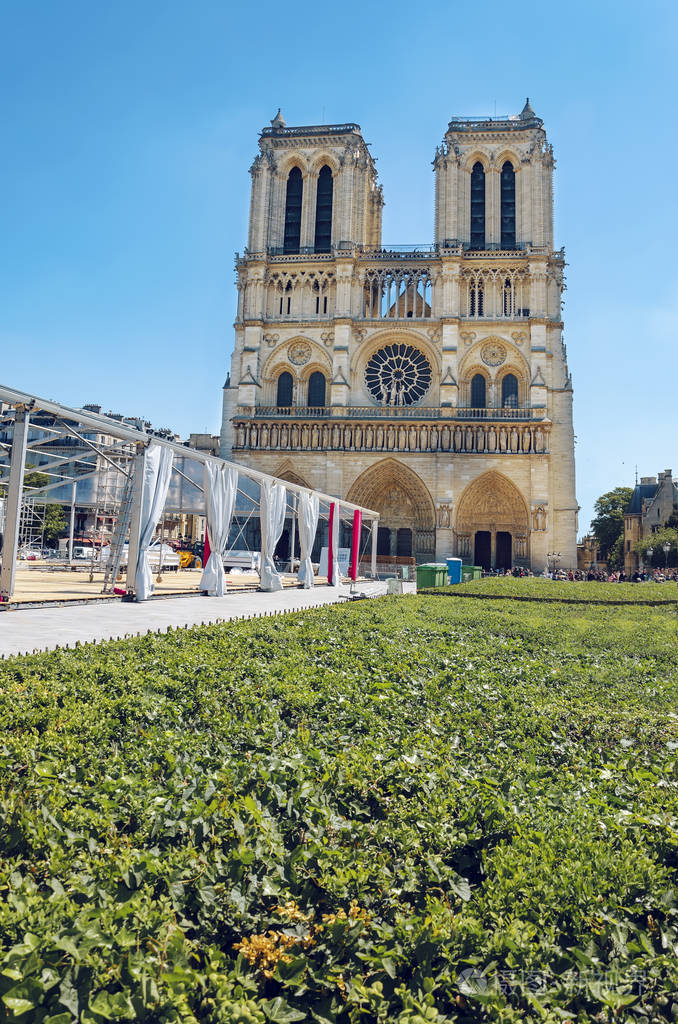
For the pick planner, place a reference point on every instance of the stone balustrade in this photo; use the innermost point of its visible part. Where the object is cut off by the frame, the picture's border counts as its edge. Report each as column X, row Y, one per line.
column 389, row 412
column 345, row 435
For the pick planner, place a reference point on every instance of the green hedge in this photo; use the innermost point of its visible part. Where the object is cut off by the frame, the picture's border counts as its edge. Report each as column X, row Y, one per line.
column 399, row 810
column 539, row 589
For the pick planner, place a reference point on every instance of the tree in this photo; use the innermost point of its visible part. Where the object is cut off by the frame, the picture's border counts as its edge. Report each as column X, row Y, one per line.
column 615, row 557
column 55, row 524
column 656, row 541
column 608, row 525
column 32, row 478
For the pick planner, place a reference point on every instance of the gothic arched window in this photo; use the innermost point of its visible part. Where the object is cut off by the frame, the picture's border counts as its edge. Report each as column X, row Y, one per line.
column 285, row 387
column 478, row 395
column 295, row 191
column 508, row 297
column 316, row 389
column 478, row 206
column 475, row 299
column 323, row 211
column 508, row 206
column 509, row 391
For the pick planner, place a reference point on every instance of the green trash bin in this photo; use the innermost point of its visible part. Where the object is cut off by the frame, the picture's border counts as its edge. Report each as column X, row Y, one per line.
column 431, row 575
column 477, row 571
column 441, row 574
column 471, row 572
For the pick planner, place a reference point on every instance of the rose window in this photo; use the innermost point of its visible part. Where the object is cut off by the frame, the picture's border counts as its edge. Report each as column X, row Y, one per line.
column 398, row 375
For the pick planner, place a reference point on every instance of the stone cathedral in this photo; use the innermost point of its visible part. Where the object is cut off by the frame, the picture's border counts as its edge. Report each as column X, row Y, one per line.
column 431, row 383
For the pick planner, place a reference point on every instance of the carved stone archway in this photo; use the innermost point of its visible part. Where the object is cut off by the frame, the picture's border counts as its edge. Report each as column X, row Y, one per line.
column 287, row 471
column 491, row 509
column 403, row 502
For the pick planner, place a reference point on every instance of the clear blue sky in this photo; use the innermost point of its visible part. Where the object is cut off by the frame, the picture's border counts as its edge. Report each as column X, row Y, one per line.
column 128, row 130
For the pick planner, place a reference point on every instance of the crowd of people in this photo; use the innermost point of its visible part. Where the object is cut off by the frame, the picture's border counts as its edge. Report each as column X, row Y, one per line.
column 593, row 575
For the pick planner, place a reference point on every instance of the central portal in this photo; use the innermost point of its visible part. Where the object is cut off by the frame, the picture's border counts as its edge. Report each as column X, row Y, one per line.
column 405, row 507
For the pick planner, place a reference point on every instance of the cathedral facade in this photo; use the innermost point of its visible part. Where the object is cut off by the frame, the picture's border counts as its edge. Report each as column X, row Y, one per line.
column 428, row 384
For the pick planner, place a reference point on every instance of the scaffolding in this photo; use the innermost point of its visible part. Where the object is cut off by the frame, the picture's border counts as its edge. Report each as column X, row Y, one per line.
column 97, row 461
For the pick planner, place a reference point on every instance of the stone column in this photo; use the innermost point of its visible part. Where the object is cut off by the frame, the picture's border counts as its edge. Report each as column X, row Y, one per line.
column 307, row 237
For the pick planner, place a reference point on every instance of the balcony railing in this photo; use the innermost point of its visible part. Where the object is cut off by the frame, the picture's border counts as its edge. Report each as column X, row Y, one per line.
column 493, row 250
column 504, row 413
column 390, row 412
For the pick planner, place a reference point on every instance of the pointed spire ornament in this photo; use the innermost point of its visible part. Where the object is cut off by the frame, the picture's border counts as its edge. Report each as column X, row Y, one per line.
column 278, row 121
column 527, row 112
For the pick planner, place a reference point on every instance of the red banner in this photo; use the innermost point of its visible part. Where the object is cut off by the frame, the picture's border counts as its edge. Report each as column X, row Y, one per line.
column 355, row 544
column 330, row 545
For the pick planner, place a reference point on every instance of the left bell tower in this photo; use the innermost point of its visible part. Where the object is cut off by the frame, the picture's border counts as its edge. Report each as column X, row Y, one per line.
column 313, row 187
column 315, row 203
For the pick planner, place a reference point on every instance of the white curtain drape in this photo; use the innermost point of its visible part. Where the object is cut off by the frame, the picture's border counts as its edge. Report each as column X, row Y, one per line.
column 334, row 575
column 221, row 486
column 308, row 524
column 157, row 470
column 272, row 505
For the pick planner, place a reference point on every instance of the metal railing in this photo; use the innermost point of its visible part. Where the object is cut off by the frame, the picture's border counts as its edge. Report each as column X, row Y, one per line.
column 312, row 129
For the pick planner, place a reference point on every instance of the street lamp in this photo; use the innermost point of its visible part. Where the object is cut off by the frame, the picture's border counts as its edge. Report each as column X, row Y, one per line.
column 666, row 547
column 551, row 558
column 649, row 553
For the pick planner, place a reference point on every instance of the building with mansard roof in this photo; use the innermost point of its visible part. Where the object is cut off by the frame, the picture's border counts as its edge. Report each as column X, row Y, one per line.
column 430, row 384
column 653, row 502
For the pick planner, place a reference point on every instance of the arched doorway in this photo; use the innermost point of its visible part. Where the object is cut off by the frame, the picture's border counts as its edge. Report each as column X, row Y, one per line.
column 491, row 524
column 503, row 559
column 482, row 549
column 405, row 506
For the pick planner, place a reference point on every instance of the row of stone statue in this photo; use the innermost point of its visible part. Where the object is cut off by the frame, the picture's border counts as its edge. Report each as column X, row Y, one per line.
column 476, row 437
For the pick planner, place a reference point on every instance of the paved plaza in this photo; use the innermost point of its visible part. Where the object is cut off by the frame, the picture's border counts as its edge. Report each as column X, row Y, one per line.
column 24, row 630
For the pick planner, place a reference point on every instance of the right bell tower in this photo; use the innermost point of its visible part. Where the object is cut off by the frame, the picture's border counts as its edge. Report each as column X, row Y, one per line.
column 494, row 184
column 494, row 232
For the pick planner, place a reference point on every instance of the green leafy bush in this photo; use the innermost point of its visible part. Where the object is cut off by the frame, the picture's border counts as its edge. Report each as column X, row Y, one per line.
column 410, row 810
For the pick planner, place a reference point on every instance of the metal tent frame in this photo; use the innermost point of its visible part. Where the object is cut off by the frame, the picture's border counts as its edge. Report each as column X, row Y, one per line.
column 117, row 452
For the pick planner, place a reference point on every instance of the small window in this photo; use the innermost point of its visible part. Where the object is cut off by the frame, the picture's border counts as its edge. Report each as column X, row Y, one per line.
column 509, row 391
column 325, row 304
column 285, row 387
column 316, row 389
column 478, row 392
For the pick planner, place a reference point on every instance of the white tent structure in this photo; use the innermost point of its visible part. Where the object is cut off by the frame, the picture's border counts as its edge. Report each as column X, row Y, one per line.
column 91, row 458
